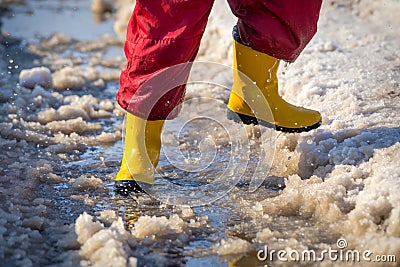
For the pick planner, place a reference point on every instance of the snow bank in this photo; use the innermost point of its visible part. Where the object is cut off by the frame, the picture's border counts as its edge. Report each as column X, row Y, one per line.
column 310, row 197
column 361, row 202
column 343, row 176
column 41, row 76
column 375, row 222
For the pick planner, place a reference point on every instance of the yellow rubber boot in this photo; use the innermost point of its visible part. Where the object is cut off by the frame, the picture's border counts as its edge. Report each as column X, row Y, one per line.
column 141, row 153
column 253, row 69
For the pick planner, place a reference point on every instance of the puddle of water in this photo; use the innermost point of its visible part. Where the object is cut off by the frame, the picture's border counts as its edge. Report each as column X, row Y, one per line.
column 42, row 18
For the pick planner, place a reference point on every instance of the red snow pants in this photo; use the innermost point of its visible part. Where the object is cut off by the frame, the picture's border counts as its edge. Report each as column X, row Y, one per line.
column 164, row 33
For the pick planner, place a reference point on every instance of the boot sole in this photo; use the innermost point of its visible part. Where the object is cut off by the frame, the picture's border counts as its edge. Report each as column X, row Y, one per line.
column 125, row 187
column 248, row 120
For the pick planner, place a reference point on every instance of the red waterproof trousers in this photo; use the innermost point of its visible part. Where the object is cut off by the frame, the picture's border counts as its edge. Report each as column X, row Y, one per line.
column 164, row 33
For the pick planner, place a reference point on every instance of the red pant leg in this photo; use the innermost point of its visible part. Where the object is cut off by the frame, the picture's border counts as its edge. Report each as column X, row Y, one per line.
column 160, row 34
column 279, row 28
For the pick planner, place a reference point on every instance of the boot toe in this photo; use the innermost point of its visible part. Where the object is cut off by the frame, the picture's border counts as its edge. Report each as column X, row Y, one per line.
column 303, row 120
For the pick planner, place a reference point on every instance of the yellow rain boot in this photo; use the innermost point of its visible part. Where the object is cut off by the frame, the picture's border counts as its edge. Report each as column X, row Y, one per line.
column 245, row 104
column 141, row 153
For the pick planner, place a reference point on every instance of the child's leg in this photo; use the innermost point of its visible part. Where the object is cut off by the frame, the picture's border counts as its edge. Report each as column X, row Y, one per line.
column 160, row 34
column 267, row 31
column 141, row 153
column 279, row 28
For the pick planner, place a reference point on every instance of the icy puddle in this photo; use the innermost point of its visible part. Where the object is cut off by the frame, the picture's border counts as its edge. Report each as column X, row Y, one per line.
column 332, row 190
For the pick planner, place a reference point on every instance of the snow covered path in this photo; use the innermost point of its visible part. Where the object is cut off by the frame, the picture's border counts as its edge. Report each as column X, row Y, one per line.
column 61, row 146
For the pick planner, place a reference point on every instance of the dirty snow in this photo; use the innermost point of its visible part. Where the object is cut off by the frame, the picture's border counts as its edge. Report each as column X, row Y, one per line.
column 232, row 246
column 104, row 246
column 40, row 76
column 61, row 130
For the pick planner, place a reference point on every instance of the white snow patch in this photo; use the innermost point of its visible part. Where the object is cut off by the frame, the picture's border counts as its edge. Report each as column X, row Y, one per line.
column 85, row 227
column 43, row 171
column 92, row 183
column 376, row 213
column 41, row 76
column 104, row 246
column 232, row 246
column 84, row 107
column 77, row 125
column 75, row 78
column 124, row 12
column 264, row 235
column 187, row 212
column 147, row 226
column 101, row 6
column 108, row 216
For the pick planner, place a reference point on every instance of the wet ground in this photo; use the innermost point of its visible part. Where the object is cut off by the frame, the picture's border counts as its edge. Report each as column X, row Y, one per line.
column 53, row 173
